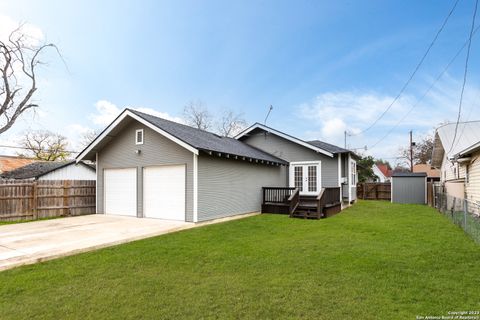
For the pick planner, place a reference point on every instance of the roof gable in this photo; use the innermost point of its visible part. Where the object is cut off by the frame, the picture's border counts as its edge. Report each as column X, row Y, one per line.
column 315, row 145
column 37, row 169
column 192, row 139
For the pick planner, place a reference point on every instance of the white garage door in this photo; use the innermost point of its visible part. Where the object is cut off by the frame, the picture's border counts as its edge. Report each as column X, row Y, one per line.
column 164, row 192
column 121, row 191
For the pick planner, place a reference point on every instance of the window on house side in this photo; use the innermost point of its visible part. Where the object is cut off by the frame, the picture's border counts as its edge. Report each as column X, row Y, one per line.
column 139, row 136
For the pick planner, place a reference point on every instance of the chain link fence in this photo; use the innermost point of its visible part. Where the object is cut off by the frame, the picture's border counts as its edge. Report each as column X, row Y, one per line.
column 464, row 213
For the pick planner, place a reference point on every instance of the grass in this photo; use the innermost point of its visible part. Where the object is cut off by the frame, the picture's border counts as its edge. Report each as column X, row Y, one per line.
column 25, row 221
column 376, row 260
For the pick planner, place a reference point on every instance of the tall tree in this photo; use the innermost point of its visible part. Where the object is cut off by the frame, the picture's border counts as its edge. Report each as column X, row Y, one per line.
column 364, row 169
column 197, row 115
column 230, row 124
column 87, row 137
column 422, row 151
column 19, row 60
column 45, row 145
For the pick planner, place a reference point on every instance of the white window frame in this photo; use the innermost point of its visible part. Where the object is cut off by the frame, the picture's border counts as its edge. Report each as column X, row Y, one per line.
column 136, row 137
column 353, row 173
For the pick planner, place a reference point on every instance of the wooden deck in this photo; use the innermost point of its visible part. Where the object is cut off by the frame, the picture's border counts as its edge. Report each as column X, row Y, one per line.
column 284, row 200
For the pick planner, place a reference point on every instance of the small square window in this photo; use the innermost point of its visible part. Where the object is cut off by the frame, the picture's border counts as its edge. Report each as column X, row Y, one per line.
column 139, row 136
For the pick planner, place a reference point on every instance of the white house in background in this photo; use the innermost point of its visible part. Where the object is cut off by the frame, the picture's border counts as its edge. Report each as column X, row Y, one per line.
column 382, row 172
column 53, row 170
column 458, row 161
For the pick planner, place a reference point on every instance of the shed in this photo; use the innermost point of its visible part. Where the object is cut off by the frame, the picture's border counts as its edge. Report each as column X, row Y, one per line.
column 409, row 187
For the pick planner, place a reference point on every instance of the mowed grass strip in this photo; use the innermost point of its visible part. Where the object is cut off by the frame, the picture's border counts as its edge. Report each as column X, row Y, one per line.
column 375, row 260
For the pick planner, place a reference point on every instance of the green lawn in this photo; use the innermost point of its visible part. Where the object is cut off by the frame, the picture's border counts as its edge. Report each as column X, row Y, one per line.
column 375, row 260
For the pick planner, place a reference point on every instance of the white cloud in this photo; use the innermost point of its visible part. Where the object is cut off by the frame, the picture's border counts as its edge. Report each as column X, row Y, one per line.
column 106, row 112
column 33, row 35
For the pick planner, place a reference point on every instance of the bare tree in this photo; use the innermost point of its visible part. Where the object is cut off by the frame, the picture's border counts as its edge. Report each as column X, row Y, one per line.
column 231, row 124
column 197, row 115
column 45, row 145
column 422, row 151
column 18, row 63
column 87, row 137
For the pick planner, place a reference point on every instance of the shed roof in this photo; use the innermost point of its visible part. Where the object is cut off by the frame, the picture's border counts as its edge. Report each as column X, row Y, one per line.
column 409, row 174
column 8, row 163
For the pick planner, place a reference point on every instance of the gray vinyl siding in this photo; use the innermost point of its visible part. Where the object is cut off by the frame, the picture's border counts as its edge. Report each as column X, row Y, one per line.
column 156, row 150
column 228, row 187
column 408, row 190
column 292, row 152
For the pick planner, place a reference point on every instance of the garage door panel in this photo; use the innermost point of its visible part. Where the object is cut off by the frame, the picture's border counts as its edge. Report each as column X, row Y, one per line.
column 121, row 191
column 164, row 192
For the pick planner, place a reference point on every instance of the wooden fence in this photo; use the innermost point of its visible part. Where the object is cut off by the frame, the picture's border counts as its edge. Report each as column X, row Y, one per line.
column 374, row 191
column 30, row 200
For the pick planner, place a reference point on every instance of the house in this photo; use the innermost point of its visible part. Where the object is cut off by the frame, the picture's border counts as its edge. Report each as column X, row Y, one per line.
column 382, row 172
column 51, row 170
column 151, row 167
column 433, row 175
column 457, row 160
column 9, row 163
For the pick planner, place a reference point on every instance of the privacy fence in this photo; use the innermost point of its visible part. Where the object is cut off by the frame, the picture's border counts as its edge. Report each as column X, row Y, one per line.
column 30, row 200
column 464, row 213
column 374, row 191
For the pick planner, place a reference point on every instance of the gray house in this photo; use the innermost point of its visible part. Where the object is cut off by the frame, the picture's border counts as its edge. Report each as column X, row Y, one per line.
column 155, row 168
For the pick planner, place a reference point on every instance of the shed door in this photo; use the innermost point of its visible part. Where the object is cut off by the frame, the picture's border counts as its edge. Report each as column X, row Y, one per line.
column 164, row 192
column 121, row 191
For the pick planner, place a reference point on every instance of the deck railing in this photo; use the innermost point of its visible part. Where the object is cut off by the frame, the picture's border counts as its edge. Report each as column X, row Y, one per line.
column 280, row 199
column 277, row 194
column 327, row 196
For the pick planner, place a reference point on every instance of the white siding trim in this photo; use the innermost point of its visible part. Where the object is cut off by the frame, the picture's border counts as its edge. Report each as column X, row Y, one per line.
column 195, row 188
column 349, row 178
column 285, row 136
column 96, row 182
column 119, row 119
column 339, row 168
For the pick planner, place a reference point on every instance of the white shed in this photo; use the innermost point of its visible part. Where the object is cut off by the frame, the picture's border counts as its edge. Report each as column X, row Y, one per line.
column 52, row 170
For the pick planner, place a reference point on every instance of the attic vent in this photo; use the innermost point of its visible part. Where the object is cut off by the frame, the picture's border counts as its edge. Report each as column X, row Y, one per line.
column 139, row 136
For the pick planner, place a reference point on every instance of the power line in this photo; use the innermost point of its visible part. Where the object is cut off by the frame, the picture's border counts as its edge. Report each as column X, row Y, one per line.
column 426, row 92
column 414, row 71
column 24, row 148
column 464, row 75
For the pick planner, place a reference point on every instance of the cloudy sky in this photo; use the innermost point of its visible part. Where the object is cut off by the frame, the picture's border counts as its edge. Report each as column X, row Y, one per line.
column 325, row 66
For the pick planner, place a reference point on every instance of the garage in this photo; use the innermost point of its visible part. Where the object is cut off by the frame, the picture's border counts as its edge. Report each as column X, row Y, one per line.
column 121, row 191
column 409, row 187
column 164, row 192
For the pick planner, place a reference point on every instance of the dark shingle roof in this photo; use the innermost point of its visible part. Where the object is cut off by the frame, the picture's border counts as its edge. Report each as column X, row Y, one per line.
column 207, row 141
column 409, row 174
column 327, row 146
column 35, row 169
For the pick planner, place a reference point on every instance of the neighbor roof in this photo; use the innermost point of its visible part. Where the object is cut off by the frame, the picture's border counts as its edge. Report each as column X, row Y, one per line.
column 37, row 169
column 384, row 169
column 8, row 163
column 423, row 167
column 191, row 138
column 468, row 134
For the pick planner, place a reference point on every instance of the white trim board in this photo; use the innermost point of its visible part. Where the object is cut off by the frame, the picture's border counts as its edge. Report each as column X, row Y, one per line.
column 120, row 118
column 284, row 136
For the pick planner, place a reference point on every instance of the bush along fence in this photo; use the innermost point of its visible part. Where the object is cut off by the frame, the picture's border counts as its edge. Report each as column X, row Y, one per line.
column 31, row 200
column 464, row 213
column 374, row 191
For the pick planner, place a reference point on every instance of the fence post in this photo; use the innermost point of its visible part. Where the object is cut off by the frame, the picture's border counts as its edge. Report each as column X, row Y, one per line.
column 465, row 212
column 66, row 190
column 35, row 200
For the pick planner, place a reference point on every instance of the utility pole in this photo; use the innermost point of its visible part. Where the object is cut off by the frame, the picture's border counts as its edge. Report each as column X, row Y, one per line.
column 411, row 151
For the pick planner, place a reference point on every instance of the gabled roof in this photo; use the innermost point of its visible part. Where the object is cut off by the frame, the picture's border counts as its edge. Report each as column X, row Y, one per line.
column 468, row 135
column 383, row 168
column 37, row 169
column 316, row 145
column 192, row 139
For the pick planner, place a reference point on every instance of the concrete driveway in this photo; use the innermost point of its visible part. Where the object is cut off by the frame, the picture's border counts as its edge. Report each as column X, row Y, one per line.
column 31, row 242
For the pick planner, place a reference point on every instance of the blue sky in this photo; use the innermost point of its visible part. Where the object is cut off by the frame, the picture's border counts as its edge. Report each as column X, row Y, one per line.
column 325, row 66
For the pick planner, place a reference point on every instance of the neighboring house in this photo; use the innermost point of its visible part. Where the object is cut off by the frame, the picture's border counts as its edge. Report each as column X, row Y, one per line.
column 152, row 167
column 433, row 175
column 51, row 170
column 457, row 161
column 9, row 163
column 382, row 172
